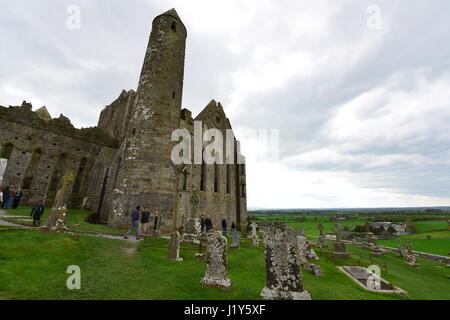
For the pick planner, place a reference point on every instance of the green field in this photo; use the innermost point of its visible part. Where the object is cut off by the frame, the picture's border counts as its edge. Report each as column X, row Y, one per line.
column 439, row 242
column 33, row 266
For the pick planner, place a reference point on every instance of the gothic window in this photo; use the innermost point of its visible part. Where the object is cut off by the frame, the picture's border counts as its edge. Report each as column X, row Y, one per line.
column 228, row 178
column 117, row 172
column 173, row 26
column 203, row 176
column 216, row 178
column 185, row 180
column 78, row 179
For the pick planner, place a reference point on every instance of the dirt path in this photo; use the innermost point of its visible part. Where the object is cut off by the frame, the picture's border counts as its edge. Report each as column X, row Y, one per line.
column 3, row 214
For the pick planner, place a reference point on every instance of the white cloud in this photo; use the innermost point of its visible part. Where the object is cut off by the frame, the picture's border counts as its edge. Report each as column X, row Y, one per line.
column 363, row 114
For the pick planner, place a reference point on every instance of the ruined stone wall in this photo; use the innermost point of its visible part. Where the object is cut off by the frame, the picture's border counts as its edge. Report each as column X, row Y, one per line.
column 219, row 194
column 40, row 152
column 114, row 119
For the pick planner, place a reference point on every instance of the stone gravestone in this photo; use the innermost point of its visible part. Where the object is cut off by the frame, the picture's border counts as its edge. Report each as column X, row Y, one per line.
column 410, row 256
column 338, row 246
column 234, row 239
column 284, row 279
column 255, row 241
column 174, row 247
column 192, row 233
column 401, row 250
column 254, row 237
column 304, row 252
column 56, row 221
column 216, row 274
column 254, row 226
column 322, row 242
column 157, row 231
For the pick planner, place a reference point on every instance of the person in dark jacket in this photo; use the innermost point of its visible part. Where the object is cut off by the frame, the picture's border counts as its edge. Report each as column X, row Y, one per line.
column 224, row 227
column 202, row 223
column 17, row 197
column 5, row 197
column 9, row 200
column 208, row 224
column 135, row 217
column 37, row 212
column 233, row 226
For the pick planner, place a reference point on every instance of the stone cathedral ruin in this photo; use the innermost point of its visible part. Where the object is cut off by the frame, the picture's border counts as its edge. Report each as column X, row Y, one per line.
column 125, row 160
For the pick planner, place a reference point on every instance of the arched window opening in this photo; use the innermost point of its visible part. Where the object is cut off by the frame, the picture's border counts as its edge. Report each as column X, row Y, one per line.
column 228, row 178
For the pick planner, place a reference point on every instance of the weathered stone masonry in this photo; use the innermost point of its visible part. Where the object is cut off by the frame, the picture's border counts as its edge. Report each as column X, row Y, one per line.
column 125, row 161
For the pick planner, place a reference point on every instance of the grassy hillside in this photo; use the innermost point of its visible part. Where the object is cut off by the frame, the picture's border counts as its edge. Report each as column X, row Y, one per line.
column 33, row 266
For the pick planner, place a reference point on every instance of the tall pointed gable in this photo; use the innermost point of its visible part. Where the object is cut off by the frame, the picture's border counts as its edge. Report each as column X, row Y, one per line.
column 172, row 12
column 213, row 116
column 43, row 114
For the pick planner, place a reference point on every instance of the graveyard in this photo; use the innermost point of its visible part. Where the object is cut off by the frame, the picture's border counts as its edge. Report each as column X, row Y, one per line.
column 34, row 266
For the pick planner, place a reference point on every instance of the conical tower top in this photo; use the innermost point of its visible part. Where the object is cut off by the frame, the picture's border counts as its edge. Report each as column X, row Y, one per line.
column 172, row 12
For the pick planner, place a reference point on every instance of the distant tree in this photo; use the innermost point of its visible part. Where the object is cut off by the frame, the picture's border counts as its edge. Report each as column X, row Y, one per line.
column 410, row 227
column 391, row 230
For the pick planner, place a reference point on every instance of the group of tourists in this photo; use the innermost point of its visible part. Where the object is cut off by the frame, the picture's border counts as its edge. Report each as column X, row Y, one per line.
column 206, row 223
column 140, row 222
column 10, row 197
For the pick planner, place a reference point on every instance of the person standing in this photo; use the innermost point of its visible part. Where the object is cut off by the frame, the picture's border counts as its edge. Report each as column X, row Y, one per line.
column 233, row 226
column 155, row 225
column 37, row 212
column 17, row 197
column 208, row 224
column 224, row 227
column 5, row 196
column 9, row 200
column 1, row 196
column 145, row 221
column 134, row 223
column 202, row 223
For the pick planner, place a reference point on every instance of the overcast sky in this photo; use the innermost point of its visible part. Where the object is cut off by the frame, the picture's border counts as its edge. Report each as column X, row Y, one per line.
column 360, row 94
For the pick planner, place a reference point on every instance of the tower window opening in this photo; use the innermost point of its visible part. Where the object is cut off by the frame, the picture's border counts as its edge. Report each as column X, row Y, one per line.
column 134, row 131
column 203, row 177
column 216, row 178
column 228, row 179
column 173, row 26
column 185, row 180
column 173, row 95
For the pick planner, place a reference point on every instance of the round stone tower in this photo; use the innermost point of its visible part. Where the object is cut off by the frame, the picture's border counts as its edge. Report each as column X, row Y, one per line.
column 145, row 173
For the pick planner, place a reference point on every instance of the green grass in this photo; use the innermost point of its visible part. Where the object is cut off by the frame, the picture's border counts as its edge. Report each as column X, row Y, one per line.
column 74, row 216
column 33, row 266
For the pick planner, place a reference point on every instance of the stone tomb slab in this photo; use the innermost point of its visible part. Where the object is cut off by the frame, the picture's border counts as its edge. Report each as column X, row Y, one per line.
column 361, row 275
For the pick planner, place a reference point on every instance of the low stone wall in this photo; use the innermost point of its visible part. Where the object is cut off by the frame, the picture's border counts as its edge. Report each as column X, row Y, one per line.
column 424, row 255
